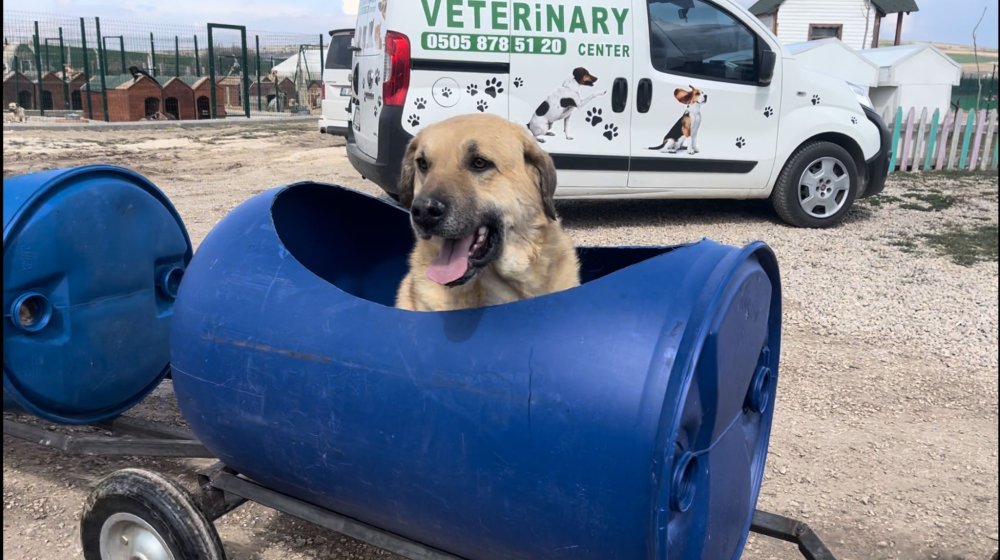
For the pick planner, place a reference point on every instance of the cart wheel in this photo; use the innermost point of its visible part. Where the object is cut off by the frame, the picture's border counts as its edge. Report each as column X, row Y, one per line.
column 135, row 514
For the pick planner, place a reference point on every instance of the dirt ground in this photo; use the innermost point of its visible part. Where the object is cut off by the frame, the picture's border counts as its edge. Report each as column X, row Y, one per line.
column 885, row 430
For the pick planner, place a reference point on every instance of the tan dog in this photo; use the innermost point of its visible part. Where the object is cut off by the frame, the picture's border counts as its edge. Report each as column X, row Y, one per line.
column 480, row 192
column 684, row 134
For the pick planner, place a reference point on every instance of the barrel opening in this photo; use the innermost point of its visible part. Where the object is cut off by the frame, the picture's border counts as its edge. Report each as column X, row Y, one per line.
column 361, row 244
column 683, row 483
column 170, row 282
column 31, row 312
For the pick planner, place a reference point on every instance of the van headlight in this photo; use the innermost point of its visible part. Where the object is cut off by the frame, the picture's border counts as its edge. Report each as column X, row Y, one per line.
column 862, row 95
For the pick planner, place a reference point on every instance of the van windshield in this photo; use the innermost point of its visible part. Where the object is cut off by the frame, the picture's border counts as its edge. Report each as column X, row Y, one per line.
column 339, row 55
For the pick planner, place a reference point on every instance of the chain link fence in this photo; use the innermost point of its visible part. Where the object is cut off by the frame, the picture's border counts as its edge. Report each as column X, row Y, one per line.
column 116, row 70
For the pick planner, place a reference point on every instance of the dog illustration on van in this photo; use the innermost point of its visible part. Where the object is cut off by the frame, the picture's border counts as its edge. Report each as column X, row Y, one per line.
column 684, row 133
column 561, row 103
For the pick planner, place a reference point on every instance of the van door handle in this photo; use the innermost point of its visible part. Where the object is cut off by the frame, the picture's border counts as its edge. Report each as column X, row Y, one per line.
column 644, row 96
column 619, row 95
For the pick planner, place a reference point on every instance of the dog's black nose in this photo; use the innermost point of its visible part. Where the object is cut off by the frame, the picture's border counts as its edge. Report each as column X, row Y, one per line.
column 428, row 211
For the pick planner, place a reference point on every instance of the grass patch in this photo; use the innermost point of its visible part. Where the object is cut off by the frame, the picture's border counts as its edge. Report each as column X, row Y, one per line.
column 965, row 245
column 904, row 244
column 934, row 201
column 881, row 200
column 970, row 58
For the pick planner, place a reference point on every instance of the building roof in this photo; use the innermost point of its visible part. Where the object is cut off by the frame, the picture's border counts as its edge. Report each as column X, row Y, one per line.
column 891, row 56
column 310, row 65
column 115, row 81
column 762, row 7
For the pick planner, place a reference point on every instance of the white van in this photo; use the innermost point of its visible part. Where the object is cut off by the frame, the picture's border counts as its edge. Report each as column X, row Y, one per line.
column 337, row 93
column 632, row 98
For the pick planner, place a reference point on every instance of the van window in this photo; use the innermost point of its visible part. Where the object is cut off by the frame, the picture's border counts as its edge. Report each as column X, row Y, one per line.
column 699, row 39
column 339, row 55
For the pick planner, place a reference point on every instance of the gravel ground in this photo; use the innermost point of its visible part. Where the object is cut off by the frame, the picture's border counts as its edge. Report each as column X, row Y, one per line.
column 885, row 434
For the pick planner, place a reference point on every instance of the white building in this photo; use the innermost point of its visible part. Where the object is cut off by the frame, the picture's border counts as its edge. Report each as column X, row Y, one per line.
column 834, row 58
column 855, row 22
column 916, row 75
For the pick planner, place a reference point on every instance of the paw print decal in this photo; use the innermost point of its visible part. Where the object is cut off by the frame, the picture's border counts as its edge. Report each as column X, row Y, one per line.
column 414, row 120
column 493, row 87
column 854, row 120
column 378, row 76
column 472, row 89
column 740, row 142
column 518, row 82
column 610, row 131
column 594, row 116
column 482, row 106
column 768, row 111
column 446, row 92
column 815, row 99
column 420, row 103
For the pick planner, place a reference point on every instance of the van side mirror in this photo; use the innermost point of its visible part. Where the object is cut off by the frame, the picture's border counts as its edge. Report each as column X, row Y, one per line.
column 766, row 69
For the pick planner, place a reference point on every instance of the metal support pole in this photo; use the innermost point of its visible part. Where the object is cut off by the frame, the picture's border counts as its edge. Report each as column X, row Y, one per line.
column 177, row 56
column 246, row 73
column 38, row 67
column 211, row 71
column 197, row 63
column 102, row 58
column 86, row 70
column 62, row 62
column 259, row 85
column 152, row 52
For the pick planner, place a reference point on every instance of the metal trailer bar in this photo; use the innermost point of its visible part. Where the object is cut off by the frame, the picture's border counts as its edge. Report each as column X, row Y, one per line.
column 790, row 530
column 129, row 436
column 223, row 490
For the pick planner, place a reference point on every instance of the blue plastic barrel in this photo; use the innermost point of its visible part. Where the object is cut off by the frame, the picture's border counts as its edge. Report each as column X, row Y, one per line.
column 627, row 418
column 92, row 260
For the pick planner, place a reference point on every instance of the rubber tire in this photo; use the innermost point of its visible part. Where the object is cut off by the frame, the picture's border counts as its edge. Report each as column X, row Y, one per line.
column 785, row 197
column 163, row 503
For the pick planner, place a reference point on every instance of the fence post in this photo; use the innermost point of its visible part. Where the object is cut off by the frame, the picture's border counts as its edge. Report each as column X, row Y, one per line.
column 931, row 138
column 256, row 39
column 991, row 116
column 38, row 70
column 211, row 71
column 246, row 72
column 102, row 58
column 965, row 139
column 86, row 70
column 177, row 56
column 907, row 141
column 322, row 64
column 897, row 123
column 918, row 148
column 949, row 121
column 62, row 63
column 152, row 54
column 977, row 139
column 197, row 62
column 956, row 133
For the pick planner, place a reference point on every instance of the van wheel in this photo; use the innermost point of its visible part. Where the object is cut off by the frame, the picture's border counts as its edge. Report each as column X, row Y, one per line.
column 135, row 513
column 817, row 186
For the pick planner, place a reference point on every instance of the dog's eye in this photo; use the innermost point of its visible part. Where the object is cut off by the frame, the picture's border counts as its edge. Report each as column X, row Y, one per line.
column 422, row 164
column 481, row 164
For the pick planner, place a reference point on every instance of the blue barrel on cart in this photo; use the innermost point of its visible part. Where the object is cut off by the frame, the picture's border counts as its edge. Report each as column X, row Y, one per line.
column 92, row 260
column 626, row 418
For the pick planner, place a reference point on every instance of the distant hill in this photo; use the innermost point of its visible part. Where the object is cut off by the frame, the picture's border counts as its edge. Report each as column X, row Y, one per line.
column 964, row 55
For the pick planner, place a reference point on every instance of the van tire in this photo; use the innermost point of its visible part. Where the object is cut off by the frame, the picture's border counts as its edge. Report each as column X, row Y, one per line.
column 827, row 162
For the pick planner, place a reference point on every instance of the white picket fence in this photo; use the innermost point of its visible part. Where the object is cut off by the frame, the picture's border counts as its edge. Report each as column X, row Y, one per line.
column 961, row 140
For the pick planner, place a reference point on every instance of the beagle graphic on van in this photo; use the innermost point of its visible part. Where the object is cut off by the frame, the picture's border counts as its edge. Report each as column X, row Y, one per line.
column 684, row 133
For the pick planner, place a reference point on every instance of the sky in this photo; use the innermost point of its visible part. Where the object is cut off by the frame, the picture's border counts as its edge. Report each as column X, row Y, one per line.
column 944, row 21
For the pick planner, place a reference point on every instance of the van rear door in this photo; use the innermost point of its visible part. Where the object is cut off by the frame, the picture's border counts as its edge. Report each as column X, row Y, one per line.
column 368, row 70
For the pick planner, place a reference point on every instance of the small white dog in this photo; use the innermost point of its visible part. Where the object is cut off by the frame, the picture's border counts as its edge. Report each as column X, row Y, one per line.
column 684, row 133
column 561, row 103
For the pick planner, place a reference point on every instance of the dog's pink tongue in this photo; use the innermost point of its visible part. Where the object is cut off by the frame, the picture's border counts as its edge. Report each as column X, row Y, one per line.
column 453, row 261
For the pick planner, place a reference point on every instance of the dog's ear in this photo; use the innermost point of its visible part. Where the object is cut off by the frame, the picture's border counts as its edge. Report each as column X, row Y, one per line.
column 682, row 95
column 408, row 174
column 545, row 172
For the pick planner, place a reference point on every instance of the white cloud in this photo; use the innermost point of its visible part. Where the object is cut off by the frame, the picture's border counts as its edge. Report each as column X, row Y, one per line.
column 350, row 7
